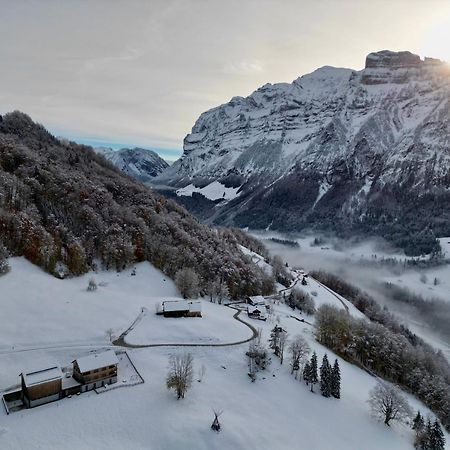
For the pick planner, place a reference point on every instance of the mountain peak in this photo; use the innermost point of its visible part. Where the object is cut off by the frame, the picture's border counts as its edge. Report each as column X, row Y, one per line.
column 139, row 163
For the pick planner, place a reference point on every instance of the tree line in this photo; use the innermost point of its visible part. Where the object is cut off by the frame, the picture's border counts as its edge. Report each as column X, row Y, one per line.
column 416, row 368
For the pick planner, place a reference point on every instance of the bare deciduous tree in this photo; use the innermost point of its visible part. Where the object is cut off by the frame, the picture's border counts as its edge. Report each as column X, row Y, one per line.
column 109, row 334
column 187, row 282
column 299, row 351
column 388, row 404
column 257, row 358
column 179, row 378
column 282, row 345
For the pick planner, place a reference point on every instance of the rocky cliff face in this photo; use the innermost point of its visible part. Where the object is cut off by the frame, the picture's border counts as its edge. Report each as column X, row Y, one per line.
column 335, row 148
column 139, row 163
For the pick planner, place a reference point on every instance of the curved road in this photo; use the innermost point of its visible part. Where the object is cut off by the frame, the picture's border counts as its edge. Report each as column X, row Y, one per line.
column 334, row 294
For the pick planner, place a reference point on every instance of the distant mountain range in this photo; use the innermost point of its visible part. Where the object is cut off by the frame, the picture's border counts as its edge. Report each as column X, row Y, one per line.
column 351, row 151
column 139, row 163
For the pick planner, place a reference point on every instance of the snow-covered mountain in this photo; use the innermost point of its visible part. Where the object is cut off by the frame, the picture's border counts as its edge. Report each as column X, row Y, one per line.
column 368, row 149
column 140, row 163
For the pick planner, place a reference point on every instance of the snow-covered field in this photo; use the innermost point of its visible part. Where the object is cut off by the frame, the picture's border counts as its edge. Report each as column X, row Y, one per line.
column 213, row 191
column 216, row 326
column 276, row 412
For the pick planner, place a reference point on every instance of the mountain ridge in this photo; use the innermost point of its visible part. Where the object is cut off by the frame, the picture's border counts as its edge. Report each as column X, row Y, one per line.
column 336, row 148
column 140, row 163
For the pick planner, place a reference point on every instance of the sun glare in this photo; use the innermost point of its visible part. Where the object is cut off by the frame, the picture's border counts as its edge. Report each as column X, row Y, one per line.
column 436, row 42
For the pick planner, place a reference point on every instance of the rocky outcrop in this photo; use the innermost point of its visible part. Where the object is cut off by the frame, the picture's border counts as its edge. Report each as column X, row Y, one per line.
column 394, row 60
column 397, row 67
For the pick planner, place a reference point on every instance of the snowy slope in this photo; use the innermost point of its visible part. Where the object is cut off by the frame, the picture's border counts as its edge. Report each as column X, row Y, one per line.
column 276, row 412
column 335, row 142
column 213, row 191
column 77, row 316
column 139, row 163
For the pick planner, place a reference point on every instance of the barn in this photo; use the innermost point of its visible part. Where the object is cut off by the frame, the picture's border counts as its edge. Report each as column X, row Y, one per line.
column 182, row 308
column 96, row 370
column 256, row 300
column 41, row 386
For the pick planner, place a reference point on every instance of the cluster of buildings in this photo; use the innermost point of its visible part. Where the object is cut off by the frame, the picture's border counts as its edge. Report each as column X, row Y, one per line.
column 257, row 307
column 50, row 384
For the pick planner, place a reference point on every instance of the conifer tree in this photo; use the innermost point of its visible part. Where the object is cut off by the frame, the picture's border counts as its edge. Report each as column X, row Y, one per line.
column 336, row 380
column 306, row 373
column 275, row 339
column 325, row 377
column 436, row 437
column 423, row 437
column 418, row 423
column 313, row 376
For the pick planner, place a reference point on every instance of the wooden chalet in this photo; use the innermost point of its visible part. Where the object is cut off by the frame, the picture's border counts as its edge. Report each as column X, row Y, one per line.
column 41, row 386
column 96, row 370
column 257, row 312
column 182, row 308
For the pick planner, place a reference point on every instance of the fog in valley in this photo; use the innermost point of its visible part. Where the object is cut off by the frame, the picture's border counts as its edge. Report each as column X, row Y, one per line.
column 419, row 294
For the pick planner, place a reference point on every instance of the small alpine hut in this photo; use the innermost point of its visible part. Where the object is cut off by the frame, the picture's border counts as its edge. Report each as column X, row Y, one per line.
column 41, row 386
column 96, row 370
column 257, row 312
column 182, row 308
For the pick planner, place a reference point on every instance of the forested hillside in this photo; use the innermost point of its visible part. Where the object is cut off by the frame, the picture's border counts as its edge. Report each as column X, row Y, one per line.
column 67, row 209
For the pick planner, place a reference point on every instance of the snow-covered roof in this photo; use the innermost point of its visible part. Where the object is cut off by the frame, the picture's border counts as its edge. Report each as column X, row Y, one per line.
column 97, row 361
column 42, row 376
column 176, row 305
column 251, row 309
column 182, row 305
column 195, row 306
column 258, row 299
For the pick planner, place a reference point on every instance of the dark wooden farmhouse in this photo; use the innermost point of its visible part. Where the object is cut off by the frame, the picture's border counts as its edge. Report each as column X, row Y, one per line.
column 257, row 312
column 47, row 385
column 182, row 308
column 41, row 386
column 96, row 370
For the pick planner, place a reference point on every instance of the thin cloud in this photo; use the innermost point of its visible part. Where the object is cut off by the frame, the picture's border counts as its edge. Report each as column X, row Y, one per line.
column 243, row 67
column 143, row 72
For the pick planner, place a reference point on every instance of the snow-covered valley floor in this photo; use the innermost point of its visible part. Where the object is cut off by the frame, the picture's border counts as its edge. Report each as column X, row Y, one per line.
column 44, row 319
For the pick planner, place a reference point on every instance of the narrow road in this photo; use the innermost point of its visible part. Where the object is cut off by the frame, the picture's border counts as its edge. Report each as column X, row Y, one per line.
column 334, row 295
column 120, row 341
column 291, row 286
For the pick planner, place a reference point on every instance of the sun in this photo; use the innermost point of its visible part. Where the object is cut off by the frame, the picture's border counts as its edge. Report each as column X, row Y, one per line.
column 436, row 40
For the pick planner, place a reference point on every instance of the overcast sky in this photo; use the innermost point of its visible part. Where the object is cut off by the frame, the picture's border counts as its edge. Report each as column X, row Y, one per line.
column 141, row 72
